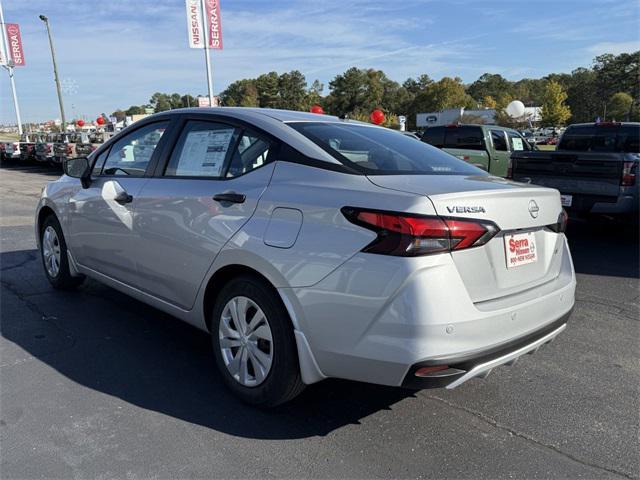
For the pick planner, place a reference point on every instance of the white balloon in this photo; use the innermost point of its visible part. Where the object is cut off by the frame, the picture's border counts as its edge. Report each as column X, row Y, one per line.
column 515, row 109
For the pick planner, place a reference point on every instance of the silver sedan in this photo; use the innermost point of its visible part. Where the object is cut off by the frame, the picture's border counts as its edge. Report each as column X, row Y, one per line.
column 312, row 247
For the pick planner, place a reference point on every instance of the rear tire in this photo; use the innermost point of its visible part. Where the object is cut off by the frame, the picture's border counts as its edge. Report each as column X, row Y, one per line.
column 55, row 260
column 253, row 343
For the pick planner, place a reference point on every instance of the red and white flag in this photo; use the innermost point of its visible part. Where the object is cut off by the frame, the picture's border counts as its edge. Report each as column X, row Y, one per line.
column 214, row 22
column 195, row 28
column 14, row 44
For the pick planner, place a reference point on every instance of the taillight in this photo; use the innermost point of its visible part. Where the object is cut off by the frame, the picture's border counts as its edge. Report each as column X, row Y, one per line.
column 629, row 173
column 409, row 235
column 69, row 149
column 561, row 225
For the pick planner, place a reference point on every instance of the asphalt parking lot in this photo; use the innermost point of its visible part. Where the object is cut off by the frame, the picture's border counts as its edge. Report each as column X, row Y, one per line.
column 97, row 385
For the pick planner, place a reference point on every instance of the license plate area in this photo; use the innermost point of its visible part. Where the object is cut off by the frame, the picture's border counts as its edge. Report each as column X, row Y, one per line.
column 520, row 249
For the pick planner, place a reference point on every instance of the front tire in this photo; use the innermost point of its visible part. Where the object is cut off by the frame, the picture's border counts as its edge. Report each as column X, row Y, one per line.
column 53, row 250
column 254, row 344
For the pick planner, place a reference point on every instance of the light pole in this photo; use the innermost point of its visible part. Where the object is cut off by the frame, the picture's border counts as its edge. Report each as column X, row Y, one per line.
column 9, row 67
column 55, row 73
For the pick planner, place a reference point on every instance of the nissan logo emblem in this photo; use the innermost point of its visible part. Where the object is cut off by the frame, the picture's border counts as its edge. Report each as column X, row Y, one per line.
column 533, row 208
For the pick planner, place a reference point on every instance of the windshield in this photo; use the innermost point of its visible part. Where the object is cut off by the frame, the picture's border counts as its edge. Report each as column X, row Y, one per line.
column 379, row 151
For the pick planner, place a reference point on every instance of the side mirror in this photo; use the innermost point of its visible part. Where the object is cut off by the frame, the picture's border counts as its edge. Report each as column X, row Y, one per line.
column 78, row 168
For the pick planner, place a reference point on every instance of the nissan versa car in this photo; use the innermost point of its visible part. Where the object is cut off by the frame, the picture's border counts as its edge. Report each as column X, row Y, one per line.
column 312, row 247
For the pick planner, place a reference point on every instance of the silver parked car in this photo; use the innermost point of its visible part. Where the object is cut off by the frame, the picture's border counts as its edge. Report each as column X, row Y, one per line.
column 313, row 247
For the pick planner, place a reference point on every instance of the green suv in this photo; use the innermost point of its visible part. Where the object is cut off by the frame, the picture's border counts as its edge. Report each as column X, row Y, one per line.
column 486, row 146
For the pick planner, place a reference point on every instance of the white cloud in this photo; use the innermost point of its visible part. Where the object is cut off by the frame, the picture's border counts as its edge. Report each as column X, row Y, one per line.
column 615, row 48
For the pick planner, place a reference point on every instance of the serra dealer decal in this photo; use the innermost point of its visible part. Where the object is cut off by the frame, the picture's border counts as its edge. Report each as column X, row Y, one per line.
column 520, row 249
column 195, row 28
column 14, row 46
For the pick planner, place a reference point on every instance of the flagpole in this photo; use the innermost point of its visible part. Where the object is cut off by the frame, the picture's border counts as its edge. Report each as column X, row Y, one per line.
column 9, row 68
column 205, row 28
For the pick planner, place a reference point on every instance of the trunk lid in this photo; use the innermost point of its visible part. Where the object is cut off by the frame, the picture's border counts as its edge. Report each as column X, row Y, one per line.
column 515, row 208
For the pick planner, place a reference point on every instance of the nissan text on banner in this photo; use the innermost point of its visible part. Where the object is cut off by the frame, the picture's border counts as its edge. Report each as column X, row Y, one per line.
column 194, row 24
column 14, row 47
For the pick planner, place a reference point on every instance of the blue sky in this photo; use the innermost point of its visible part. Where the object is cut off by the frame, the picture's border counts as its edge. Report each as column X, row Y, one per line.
column 115, row 53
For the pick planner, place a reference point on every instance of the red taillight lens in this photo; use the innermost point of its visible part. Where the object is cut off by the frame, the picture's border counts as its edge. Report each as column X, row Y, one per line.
column 69, row 149
column 410, row 235
column 629, row 173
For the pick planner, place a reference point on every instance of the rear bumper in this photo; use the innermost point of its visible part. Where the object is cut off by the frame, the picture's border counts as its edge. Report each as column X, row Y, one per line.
column 377, row 319
column 462, row 369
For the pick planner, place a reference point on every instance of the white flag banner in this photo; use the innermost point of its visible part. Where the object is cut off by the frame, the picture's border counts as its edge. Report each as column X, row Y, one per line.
column 194, row 24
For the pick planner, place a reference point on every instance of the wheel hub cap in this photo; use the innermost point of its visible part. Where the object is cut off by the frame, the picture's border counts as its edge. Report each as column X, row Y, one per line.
column 51, row 251
column 245, row 341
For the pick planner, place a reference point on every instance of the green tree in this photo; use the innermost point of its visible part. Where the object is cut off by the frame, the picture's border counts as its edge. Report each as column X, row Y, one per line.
column 582, row 96
column 268, row 89
column 119, row 114
column 240, row 93
column 489, row 84
column 188, row 100
column 314, row 94
column 134, row 110
column 160, row 102
column 292, row 91
column 554, row 111
column 619, row 106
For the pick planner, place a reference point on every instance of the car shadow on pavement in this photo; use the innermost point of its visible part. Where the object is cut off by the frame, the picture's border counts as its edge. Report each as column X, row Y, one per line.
column 103, row 340
column 604, row 247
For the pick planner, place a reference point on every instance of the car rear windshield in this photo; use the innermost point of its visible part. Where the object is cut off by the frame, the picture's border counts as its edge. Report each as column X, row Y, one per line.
column 601, row 138
column 380, row 151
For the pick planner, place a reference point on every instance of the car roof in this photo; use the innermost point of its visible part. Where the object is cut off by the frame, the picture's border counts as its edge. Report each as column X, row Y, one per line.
column 254, row 112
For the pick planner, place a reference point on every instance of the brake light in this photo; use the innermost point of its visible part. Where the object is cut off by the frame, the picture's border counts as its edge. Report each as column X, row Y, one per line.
column 69, row 149
column 409, row 235
column 629, row 173
column 561, row 225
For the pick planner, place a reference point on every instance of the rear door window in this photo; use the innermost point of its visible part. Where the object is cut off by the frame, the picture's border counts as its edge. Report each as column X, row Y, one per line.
column 466, row 138
column 203, row 150
column 499, row 140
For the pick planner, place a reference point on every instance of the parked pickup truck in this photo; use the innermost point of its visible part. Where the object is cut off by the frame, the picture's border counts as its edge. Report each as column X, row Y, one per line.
column 486, row 146
column 595, row 168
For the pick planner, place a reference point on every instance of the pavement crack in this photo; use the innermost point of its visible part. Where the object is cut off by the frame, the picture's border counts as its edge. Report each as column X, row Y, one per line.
column 494, row 423
column 35, row 308
column 30, row 258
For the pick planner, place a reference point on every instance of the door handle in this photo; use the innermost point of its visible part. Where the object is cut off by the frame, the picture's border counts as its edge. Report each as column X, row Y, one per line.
column 229, row 197
column 123, row 197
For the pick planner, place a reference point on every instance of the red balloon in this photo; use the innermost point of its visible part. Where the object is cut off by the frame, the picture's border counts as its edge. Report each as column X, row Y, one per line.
column 100, row 121
column 377, row 116
column 317, row 109
column 80, row 123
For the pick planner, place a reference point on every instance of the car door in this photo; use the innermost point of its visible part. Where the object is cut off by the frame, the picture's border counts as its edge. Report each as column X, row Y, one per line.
column 101, row 219
column 499, row 164
column 208, row 189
